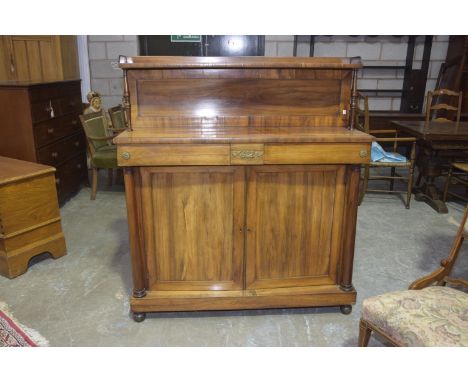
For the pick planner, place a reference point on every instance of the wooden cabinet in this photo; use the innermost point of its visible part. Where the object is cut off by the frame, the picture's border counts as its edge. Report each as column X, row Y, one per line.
column 38, row 58
column 39, row 123
column 29, row 215
column 242, row 180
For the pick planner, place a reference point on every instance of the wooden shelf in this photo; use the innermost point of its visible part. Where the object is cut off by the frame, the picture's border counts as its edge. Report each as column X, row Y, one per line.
column 382, row 92
column 384, row 67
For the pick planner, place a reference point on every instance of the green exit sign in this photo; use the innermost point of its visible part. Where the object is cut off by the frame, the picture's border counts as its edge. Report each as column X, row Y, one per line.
column 186, row 38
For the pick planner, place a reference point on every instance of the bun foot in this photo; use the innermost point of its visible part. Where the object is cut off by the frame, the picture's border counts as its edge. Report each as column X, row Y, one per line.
column 139, row 316
column 346, row 309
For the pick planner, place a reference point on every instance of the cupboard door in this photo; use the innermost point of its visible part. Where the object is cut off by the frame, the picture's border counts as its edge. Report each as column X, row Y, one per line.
column 34, row 58
column 193, row 218
column 294, row 225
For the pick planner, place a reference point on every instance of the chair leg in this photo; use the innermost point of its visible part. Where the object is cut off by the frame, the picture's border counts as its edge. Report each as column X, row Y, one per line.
column 364, row 333
column 392, row 181
column 94, row 183
column 110, row 175
column 447, row 183
column 410, row 187
column 365, row 182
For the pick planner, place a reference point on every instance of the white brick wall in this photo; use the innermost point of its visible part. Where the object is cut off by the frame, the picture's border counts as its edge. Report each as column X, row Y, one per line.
column 374, row 50
column 106, row 77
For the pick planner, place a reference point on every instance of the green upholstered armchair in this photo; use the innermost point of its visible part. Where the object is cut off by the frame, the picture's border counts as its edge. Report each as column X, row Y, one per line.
column 118, row 118
column 101, row 151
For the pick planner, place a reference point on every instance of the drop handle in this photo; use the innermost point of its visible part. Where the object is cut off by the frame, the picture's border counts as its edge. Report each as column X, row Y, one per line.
column 49, row 109
column 54, row 154
column 50, row 130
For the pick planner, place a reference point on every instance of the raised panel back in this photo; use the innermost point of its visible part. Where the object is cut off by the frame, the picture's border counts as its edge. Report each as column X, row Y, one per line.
column 284, row 94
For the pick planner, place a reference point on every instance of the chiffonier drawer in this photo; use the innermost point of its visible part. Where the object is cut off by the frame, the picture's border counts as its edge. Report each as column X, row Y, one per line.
column 62, row 150
column 317, row 153
column 49, row 131
column 173, row 155
column 242, row 154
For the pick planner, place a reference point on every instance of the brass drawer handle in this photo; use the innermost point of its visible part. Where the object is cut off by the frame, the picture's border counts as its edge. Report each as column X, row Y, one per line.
column 54, row 154
column 77, row 143
column 74, row 122
column 363, row 153
column 50, row 130
column 125, row 155
column 247, row 154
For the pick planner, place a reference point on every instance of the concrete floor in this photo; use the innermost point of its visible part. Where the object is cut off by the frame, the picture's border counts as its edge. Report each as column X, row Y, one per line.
column 82, row 298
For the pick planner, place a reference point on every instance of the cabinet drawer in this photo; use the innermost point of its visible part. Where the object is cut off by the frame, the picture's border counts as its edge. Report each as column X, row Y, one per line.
column 55, row 107
column 173, row 155
column 49, row 91
column 69, row 176
column 45, row 110
column 69, row 104
column 49, row 131
column 62, row 150
column 317, row 153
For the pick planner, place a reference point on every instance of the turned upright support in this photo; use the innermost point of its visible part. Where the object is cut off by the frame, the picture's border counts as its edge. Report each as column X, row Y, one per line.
column 354, row 98
column 126, row 96
column 346, row 283
column 139, row 289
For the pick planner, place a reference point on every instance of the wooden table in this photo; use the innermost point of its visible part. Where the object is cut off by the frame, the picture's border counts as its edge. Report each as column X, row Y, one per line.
column 439, row 144
column 29, row 215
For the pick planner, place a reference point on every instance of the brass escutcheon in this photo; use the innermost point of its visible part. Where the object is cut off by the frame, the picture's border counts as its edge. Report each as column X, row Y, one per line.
column 247, row 154
column 363, row 153
column 125, row 155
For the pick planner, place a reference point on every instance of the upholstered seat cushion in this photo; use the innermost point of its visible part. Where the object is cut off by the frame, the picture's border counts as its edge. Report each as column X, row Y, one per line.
column 105, row 157
column 434, row 316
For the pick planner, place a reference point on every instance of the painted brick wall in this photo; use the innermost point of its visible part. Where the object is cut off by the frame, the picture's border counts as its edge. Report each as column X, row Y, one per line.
column 378, row 50
column 106, row 77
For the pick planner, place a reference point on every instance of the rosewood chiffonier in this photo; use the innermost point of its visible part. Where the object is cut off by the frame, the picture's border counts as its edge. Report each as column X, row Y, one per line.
column 241, row 177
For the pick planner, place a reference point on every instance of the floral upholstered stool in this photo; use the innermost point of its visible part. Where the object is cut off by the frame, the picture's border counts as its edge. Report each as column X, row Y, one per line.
column 434, row 316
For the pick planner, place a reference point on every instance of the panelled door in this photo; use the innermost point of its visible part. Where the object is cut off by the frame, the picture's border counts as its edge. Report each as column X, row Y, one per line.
column 294, row 216
column 33, row 58
column 193, row 220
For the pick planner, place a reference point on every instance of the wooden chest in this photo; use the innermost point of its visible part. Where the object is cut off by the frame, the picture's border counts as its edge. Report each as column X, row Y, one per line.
column 29, row 215
column 39, row 123
column 242, row 179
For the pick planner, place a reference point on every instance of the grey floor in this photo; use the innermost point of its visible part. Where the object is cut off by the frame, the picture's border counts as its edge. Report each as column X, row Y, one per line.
column 82, row 298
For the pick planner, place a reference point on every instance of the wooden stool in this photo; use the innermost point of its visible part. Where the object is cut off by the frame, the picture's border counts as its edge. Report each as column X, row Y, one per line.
column 29, row 215
column 458, row 174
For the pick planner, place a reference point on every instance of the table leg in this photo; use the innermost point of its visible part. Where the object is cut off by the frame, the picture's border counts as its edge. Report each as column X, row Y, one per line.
column 430, row 194
column 430, row 167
